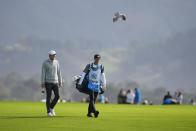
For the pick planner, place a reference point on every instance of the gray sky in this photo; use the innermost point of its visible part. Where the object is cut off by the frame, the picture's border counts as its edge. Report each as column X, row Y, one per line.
column 147, row 21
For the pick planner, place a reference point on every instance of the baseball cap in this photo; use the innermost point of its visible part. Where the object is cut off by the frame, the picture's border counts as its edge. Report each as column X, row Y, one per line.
column 52, row 52
column 97, row 56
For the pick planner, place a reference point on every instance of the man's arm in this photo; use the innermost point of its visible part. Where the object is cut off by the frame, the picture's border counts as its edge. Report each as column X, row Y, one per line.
column 83, row 75
column 103, row 78
column 43, row 75
column 59, row 75
column 82, row 78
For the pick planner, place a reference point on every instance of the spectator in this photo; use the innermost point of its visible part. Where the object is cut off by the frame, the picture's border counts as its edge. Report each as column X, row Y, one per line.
column 175, row 95
column 137, row 98
column 150, row 103
column 179, row 98
column 106, row 100
column 83, row 100
column 168, row 99
column 122, row 97
column 130, row 97
column 167, row 96
column 101, row 98
column 192, row 102
column 145, row 102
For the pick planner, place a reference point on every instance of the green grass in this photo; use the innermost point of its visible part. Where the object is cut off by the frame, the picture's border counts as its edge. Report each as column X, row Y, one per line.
column 72, row 116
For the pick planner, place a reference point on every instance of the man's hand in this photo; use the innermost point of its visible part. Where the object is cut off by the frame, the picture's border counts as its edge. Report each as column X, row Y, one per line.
column 104, row 87
column 43, row 86
column 79, row 86
column 59, row 85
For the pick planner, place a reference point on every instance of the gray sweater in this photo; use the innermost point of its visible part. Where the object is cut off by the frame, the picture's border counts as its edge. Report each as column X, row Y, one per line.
column 51, row 72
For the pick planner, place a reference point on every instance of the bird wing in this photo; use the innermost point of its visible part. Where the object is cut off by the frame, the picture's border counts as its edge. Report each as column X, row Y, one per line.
column 123, row 16
column 115, row 19
column 117, row 14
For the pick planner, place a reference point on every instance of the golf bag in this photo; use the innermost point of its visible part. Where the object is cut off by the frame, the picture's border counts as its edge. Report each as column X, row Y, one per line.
column 84, row 89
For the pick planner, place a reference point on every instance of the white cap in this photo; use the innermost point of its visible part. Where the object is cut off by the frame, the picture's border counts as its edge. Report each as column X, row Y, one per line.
column 52, row 52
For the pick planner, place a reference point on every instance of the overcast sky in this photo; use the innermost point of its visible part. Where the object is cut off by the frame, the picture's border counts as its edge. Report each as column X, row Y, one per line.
column 147, row 20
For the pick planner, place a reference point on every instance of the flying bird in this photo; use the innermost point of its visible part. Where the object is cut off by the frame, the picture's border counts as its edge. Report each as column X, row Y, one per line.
column 119, row 15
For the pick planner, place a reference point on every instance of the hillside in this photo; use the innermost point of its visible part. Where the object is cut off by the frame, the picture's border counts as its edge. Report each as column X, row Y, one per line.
column 167, row 63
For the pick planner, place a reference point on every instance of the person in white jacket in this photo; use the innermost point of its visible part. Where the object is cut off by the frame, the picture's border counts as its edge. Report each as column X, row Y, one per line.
column 130, row 97
column 179, row 98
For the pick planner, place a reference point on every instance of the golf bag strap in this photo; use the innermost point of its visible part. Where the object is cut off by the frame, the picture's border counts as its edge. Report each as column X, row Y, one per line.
column 89, row 69
column 91, row 65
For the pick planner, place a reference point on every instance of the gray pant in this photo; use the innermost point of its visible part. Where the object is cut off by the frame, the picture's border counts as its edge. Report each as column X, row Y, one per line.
column 49, row 88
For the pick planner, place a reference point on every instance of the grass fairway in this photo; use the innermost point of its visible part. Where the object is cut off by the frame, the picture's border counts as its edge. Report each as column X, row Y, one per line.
column 72, row 116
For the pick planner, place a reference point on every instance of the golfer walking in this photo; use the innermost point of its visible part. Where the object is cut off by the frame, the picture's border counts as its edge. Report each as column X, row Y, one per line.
column 51, row 81
column 97, row 80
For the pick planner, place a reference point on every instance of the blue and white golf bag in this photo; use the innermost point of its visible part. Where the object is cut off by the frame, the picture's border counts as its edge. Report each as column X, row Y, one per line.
column 87, row 84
